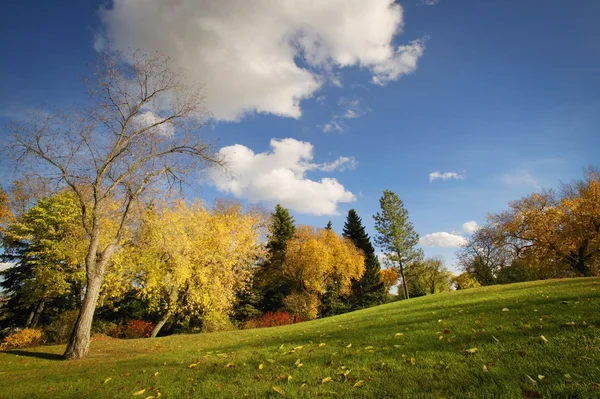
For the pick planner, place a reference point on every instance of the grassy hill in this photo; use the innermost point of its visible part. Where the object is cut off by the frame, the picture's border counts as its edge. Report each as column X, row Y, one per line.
column 539, row 339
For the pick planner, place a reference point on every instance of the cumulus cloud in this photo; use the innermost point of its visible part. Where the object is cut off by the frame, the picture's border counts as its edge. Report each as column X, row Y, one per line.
column 149, row 118
column 246, row 52
column 442, row 239
column 444, row 176
column 470, row 227
column 279, row 176
column 349, row 109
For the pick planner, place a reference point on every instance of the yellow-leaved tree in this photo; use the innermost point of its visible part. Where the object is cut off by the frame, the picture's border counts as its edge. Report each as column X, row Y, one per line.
column 191, row 261
column 314, row 259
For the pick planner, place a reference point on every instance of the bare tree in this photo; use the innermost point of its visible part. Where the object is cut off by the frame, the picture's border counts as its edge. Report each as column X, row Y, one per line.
column 137, row 131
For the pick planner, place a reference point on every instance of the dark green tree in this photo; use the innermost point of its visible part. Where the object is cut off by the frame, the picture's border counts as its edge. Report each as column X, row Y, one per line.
column 270, row 281
column 329, row 226
column 396, row 235
column 369, row 290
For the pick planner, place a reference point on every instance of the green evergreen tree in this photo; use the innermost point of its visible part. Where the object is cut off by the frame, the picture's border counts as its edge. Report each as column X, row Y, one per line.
column 369, row 290
column 273, row 285
column 329, row 226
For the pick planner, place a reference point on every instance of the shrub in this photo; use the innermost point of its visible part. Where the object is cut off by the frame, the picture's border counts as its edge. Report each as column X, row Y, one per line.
column 25, row 338
column 106, row 328
column 59, row 331
column 273, row 319
column 138, row 329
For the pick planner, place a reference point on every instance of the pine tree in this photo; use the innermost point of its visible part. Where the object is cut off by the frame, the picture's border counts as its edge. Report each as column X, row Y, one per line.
column 329, row 226
column 270, row 280
column 369, row 290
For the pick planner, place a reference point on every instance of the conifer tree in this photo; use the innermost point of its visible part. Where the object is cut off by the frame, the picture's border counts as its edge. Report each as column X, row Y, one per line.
column 369, row 290
column 270, row 280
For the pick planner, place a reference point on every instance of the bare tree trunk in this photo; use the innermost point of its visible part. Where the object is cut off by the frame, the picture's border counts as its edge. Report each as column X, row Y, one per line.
column 38, row 311
column 30, row 318
column 79, row 343
column 160, row 325
column 404, row 287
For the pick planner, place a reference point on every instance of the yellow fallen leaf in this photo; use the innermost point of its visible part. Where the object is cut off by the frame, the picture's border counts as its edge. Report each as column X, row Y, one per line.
column 349, row 346
column 368, row 348
column 106, row 380
column 326, row 379
column 279, row 390
column 299, row 365
column 541, row 377
column 543, row 339
column 289, row 378
column 534, row 382
column 399, row 334
column 261, row 366
column 412, row 361
column 192, row 365
column 441, row 337
column 138, row 392
column 495, row 339
column 359, row 383
column 222, row 354
column 297, row 362
column 321, row 345
column 158, row 394
column 155, row 374
column 229, row 365
column 485, row 368
column 505, row 310
column 150, row 397
column 471, row 350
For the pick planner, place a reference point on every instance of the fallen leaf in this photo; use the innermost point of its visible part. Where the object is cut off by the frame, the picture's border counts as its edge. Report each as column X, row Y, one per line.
column 543, row 339
column 297, row 362
column 495, row 339
column 446, row 331
column 349, row 346
column 326, row 379
column 321, row 345
column 229, row 365
column 412, row 361
column 139, row 392
column 261, row 366
column 540, row 377
column 106, row 380
column 155, row 374
column 470, row 350
column 534, row 382
column 567, row 376
column 485, row 368
column 441, row 337
column 399, row 334
column 279, row 390
column 289, row 378
column 368, row 348
column 270, row 360
column 505, row 310
column 192, row 365
column 359, row 383
column 150, row 397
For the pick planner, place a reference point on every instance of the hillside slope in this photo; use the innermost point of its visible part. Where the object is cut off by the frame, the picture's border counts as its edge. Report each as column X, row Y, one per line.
column 539, row 339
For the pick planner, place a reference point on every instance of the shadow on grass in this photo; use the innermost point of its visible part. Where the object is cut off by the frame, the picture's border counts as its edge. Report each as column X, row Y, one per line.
column 39, row 355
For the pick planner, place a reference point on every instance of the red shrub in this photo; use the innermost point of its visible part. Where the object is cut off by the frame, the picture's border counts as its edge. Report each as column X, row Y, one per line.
column 272, row 319
column 138, row 329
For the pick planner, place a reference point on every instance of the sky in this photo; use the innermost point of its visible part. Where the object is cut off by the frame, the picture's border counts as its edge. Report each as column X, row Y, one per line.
column 457, row 106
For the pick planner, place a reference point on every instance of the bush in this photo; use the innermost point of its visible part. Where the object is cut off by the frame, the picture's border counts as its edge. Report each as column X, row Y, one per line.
column 106, row 328
column 25, row 338
column 59, row 331
column 138, row 329
column 273, row 319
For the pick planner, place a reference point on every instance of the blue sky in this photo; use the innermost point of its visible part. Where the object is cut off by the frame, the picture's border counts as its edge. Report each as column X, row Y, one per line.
column 503, row 94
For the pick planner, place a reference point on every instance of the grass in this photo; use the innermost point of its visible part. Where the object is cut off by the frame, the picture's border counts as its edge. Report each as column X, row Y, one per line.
column 412, row 349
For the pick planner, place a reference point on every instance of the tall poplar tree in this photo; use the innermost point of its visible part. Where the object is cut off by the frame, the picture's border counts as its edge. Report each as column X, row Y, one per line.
column 368, row 290
column 396, row 236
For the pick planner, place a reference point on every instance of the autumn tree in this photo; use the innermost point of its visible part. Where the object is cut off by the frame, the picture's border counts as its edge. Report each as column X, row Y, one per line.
column 369, row 290
column 396, row 235
column 389, row 277
column 270, row 279
column 137, row 131
column 6, row 213
column 191, row 261
column 47, row 246
column 430, row 274
column 314, row 259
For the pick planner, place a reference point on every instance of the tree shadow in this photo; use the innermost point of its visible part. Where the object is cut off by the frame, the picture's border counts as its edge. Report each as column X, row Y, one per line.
column 39, row 355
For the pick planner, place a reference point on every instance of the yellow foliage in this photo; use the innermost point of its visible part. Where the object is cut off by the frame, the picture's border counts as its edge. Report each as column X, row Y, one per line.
column 25, row 338
column 389, row 277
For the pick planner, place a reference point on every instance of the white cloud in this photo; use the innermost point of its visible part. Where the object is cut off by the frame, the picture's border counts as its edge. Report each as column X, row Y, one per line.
column 445, row 176
column 442, row 239
column 430, row 2
column 350, row 109
column 520, row 178
column 246, row 51
column 470, row 227
column 279, row 176
column 149, row 118
column 333, row 126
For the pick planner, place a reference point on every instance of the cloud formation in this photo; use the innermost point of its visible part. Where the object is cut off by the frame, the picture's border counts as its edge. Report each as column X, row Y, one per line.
column 470, row 227
column 349, row 109
column 444, row 176
column 442, row 239
column 279, row 176
column 264, row 56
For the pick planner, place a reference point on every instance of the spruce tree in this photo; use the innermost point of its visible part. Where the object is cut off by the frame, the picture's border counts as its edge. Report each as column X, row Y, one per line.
column 329, row 226
column 369, row 290
column 270, row 280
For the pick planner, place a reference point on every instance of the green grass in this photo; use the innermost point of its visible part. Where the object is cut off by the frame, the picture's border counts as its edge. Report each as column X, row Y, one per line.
column 418, row 351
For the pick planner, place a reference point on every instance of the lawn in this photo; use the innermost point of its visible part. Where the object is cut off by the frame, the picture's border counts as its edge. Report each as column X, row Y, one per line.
column 532, row 340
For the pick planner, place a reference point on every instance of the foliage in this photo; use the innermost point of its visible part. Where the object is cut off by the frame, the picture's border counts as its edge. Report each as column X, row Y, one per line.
column 137, row 329
column 273, row 319
column 190, row 261
column 390, row 278
column 431, row 275
column 270, row 282
column 369, row 290
column 332, row 302
column 24, row 338
column 464, row 281
column 315, row 259
column 5, row 210
column 415, row 289
column 352, row 347
column 59, row 331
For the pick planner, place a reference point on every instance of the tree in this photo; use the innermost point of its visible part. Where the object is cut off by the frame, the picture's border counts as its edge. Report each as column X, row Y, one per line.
column 464, row 281
column 5, row 212
column 431, row 274
column 138, row 131
column 329, row 225
column 47, row 245
column 369, row 290
column 191, row 262
column 396, row 235
column 270, row 279
column 316, row 259
column 389, row 277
